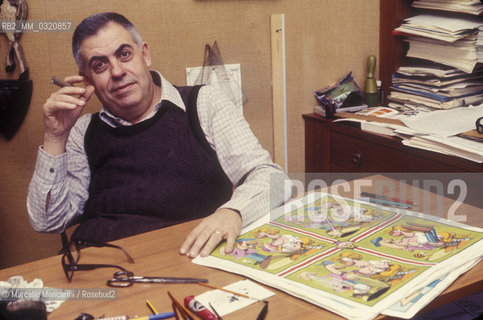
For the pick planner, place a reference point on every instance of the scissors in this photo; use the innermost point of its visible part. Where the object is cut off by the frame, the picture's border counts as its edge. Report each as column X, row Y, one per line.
column 126, row 278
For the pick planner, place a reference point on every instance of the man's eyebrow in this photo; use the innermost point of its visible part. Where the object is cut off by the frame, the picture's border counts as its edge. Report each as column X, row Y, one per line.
column 95, row 58
column 118, row 50
column 122, row 47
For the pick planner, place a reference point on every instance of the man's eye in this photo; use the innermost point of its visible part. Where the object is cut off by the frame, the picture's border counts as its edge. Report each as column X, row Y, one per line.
column 99, row 66
column 125, row 55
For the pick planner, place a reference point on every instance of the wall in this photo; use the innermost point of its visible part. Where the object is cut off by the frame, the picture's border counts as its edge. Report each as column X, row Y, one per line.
column 325, row 39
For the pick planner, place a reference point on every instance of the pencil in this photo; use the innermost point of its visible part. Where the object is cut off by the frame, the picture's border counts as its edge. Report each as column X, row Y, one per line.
column 226, row 290
column 185, row 313
column 151, row 307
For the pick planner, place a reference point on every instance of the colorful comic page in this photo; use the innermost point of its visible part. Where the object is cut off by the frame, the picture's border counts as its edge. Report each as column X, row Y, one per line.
column 347, row 255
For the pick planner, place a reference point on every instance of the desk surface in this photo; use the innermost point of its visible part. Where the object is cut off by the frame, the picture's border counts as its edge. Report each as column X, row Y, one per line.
column 156, row 254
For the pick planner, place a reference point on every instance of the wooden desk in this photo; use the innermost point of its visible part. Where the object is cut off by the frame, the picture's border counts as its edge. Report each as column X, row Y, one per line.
column 339, row 147
column 156, row 254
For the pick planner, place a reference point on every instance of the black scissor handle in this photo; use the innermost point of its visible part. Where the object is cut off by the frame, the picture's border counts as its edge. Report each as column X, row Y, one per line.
column 119, row 282
column 121, row 279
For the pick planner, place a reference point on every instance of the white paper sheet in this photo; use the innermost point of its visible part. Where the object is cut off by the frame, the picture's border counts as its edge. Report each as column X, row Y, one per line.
column 446, row 123
column 225, row 303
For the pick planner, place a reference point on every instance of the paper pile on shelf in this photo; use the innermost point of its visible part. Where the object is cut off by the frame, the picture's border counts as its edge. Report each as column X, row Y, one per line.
column 441, row 69
column 359, row 266
column 448, row 29
column 421, row 84
column 463, row 6
column 447, row 40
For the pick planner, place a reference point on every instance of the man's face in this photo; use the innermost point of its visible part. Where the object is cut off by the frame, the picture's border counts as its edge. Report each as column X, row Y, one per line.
column 119, row 70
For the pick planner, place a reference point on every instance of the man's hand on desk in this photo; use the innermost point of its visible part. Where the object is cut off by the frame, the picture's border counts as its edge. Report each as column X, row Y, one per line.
column 224, row 224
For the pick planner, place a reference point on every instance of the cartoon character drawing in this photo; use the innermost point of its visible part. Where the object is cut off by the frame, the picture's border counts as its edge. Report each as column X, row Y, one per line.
column 363, row 279
column 359, row 266
column 356, row 285
column 282, row 248
column 285, row 246
column 338, row 220
column 243, row 247
column 412, row 237
column 353, row 262
column 338, row 282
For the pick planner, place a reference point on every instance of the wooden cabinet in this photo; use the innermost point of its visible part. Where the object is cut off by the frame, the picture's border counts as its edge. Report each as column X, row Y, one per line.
column 344, row 147
column 341, row 147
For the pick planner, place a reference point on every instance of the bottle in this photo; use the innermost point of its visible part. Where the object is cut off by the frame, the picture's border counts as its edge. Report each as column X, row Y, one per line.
column 370, row 87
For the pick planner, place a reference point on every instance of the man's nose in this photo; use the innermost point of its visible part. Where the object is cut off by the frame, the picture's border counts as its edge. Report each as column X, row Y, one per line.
column 117, row 70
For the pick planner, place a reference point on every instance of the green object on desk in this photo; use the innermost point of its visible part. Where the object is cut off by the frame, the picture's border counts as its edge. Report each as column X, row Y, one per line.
column 370, row 88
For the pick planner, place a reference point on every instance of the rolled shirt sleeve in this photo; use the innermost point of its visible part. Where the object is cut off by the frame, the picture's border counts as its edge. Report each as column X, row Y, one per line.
column 59, row 186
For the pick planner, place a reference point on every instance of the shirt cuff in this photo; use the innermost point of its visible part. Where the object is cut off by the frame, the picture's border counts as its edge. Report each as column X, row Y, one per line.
column 250, row 210
column 51, row 169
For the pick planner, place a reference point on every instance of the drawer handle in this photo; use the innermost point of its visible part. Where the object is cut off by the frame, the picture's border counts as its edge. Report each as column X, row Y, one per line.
column 357, row 158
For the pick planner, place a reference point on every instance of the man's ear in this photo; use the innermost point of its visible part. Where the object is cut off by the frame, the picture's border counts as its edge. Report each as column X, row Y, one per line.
column 146, row 50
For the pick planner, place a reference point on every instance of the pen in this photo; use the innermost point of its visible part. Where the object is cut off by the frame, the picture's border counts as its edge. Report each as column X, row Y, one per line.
column 386, row 202
column 60, row 83
column 158, row 316
column 376, row 196
column 264, row 311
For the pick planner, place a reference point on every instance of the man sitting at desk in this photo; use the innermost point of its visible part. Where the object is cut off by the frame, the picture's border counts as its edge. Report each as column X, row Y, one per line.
column 155, row 155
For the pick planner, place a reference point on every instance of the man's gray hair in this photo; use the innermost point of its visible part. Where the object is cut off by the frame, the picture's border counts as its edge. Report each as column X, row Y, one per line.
column 92, row 24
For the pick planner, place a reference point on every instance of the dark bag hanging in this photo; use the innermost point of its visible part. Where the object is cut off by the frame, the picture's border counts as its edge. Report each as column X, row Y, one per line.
column 15, row 95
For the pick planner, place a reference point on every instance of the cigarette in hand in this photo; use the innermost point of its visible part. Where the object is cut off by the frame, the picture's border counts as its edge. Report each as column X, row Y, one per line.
column 59, row 82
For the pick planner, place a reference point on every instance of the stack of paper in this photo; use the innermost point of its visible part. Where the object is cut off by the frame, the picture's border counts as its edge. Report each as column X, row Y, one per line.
column 441, row 70
column 419, row 84
column 356, row 259
column 438, row 131
column 448, row 29
column 447, row 40
column 463, row 6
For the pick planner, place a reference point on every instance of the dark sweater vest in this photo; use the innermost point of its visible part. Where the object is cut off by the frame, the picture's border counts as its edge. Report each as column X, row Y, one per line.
column 152, row 174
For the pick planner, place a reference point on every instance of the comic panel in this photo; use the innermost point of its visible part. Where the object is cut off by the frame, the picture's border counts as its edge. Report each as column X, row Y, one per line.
column 420, row 239
column 336, row 218
column 357, row 276
column 273, row 249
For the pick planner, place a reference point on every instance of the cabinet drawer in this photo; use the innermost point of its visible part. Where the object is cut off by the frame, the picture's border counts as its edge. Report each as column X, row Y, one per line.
column 339, row 147
column 357, row 155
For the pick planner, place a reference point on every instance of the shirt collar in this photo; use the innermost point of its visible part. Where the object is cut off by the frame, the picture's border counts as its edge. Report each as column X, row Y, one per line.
column 168, row 92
